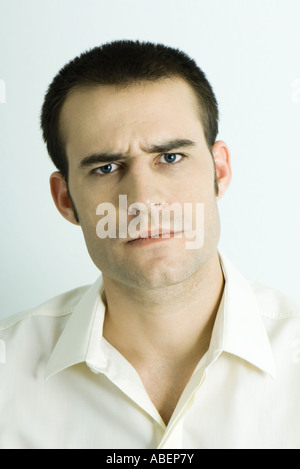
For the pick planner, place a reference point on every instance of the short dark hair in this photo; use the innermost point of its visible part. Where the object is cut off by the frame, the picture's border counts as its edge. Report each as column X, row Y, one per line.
column 124, row 63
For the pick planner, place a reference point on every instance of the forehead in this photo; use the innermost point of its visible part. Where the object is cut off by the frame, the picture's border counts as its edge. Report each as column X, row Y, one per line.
column 114, row 118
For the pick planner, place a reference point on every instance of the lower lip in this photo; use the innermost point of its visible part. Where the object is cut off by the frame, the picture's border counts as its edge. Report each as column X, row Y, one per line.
column 148, row 241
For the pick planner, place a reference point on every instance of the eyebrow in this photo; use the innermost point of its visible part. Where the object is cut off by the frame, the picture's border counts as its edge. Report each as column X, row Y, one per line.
column 109, row 157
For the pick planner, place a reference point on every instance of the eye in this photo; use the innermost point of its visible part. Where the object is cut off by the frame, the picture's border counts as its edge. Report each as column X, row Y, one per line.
column 170, row 158
column 106, row 169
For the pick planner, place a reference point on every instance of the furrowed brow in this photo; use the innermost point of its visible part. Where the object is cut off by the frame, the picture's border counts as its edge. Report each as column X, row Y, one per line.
column 96, row 158
column 107, row 157
column 165, row 147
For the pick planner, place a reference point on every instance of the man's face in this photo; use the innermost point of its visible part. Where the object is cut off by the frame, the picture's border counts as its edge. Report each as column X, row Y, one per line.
column 147, row 144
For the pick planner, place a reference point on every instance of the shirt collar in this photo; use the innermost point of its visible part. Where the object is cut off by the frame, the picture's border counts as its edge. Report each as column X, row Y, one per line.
column 239, row 329
column 76, row 341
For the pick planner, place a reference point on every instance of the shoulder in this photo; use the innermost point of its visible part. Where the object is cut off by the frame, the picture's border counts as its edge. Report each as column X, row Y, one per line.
column 29, row 337
column 281, row 317
column 274, row 304
column 58, row 307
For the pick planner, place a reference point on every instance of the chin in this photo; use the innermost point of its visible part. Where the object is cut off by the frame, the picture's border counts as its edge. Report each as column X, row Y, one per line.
column 157, row 275
column 156, row 269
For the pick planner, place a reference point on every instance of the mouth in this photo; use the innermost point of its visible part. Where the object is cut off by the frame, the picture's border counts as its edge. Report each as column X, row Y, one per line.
column 152, row 237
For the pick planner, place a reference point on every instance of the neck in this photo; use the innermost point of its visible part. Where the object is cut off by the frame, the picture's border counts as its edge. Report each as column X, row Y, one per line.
column 172, row 323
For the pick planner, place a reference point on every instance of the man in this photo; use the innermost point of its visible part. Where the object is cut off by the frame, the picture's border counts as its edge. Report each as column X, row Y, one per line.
column 171, row 347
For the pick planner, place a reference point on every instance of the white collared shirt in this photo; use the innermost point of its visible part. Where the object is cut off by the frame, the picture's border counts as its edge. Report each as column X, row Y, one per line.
column 62, row 385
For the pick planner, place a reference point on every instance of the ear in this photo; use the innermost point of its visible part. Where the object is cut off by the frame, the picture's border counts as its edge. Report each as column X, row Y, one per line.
column 60, row 195
column 223, row 166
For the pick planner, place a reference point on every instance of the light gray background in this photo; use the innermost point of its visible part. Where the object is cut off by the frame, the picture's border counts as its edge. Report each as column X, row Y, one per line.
column 250, row 53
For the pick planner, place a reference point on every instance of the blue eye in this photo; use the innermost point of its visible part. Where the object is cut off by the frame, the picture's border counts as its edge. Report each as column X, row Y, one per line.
column 170, row 158
column 106, row 169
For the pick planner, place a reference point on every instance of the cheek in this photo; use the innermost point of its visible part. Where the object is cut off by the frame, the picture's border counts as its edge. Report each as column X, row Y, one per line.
column 202, row 191
column 200, row 186
column 86, row 208
column 86, row 202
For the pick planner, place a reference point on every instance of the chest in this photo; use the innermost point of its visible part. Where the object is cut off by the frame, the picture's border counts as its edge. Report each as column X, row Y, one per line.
column 164, row 385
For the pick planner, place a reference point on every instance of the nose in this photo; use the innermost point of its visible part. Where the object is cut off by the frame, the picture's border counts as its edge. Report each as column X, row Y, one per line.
column 144, row 189
column 147, row 207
